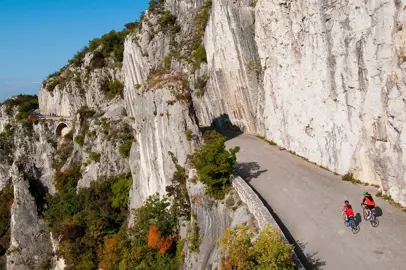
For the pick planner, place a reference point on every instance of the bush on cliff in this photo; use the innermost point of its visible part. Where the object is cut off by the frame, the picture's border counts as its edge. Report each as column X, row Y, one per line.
column 214, row 163
column 109, row 45
column 125, row 148
column 152, row 243
column 268, row 251
column 24, row 104
column 82, row 220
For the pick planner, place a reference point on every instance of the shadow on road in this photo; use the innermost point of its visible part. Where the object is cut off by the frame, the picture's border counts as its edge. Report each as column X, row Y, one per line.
column 309, row 261
column 315, row 263
column 378, row 211
column 249, row 170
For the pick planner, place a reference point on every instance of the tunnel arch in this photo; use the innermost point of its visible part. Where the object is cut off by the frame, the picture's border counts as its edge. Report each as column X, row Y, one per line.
column 60, row 127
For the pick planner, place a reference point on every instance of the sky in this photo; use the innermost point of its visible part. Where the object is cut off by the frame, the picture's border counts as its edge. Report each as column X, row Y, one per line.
column 38, row 37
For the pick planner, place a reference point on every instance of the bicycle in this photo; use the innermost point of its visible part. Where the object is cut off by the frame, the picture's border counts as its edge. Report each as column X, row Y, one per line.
column 373, row 220
column 355, row 228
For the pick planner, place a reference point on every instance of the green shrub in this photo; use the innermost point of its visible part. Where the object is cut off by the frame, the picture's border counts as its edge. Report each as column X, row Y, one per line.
column 109, row 45
column 189, row 134
column 266, row 140
column 350, row 178
column 269, row 251
column 97, row 61
column 253, row 3
column 131, row 249
column 80, row 140
column 200, row 56
column 156, row 6
column 93, row 156
column 85, row 112
column 214, row 164
column 125, row 148
column 82, row 220
column 195, row 240
column 157, row 212
column 177, row 191
column 121, row 189
column 171, row 102
column 132, row 26
column 24, row 105
column 167, row 20
column 112, row 89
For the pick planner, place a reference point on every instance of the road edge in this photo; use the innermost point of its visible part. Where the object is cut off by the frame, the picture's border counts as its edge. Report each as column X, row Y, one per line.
column 258, row 209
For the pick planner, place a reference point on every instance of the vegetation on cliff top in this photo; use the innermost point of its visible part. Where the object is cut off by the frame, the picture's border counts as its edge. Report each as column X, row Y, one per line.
column 24, row 104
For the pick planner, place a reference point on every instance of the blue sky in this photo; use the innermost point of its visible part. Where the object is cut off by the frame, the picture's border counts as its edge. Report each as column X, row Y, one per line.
column 37, row 37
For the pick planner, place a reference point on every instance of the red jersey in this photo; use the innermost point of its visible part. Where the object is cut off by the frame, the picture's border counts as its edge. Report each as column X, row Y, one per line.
column 349, row 212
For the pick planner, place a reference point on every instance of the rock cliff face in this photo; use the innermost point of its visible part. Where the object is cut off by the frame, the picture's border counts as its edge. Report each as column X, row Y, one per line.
column 64, row 92
column 321, row 78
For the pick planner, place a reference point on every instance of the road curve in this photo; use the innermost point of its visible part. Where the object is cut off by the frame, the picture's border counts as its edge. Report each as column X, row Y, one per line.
column 307, row 200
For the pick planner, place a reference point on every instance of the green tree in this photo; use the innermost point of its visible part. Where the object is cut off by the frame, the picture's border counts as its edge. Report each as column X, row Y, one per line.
column 120, row 190
column 269, row 251
column 155, row 212
column 214, row 163
column 236, row 246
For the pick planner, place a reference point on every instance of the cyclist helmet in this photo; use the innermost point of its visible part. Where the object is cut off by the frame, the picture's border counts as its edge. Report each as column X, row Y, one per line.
column 346, row 201
column 365, row 193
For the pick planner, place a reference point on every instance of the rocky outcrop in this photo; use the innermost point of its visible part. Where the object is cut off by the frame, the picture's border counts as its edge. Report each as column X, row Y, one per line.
column 163, row 126
column 30, row 241
column 78, row 86
column 212, row 218
column 322, row 79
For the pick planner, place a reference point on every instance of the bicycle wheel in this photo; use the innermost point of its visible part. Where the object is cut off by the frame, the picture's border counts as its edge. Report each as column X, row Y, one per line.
column 355, row 228
column 374, row 222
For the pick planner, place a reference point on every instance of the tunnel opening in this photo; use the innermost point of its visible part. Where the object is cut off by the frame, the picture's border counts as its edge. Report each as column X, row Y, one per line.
column 61, row 130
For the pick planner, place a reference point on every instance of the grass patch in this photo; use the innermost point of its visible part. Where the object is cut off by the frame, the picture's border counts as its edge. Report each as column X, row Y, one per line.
column 349, row 177
column 266, row 140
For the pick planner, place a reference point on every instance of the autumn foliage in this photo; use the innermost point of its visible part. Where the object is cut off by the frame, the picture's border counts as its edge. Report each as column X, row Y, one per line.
column 110, row 255
column 156, row 241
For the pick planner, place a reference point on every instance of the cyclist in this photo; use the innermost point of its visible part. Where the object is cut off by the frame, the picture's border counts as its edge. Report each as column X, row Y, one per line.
column 347, row 210
column 369, row 203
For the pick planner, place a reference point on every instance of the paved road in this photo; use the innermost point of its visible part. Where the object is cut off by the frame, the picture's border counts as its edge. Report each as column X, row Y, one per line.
column 307, row 200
